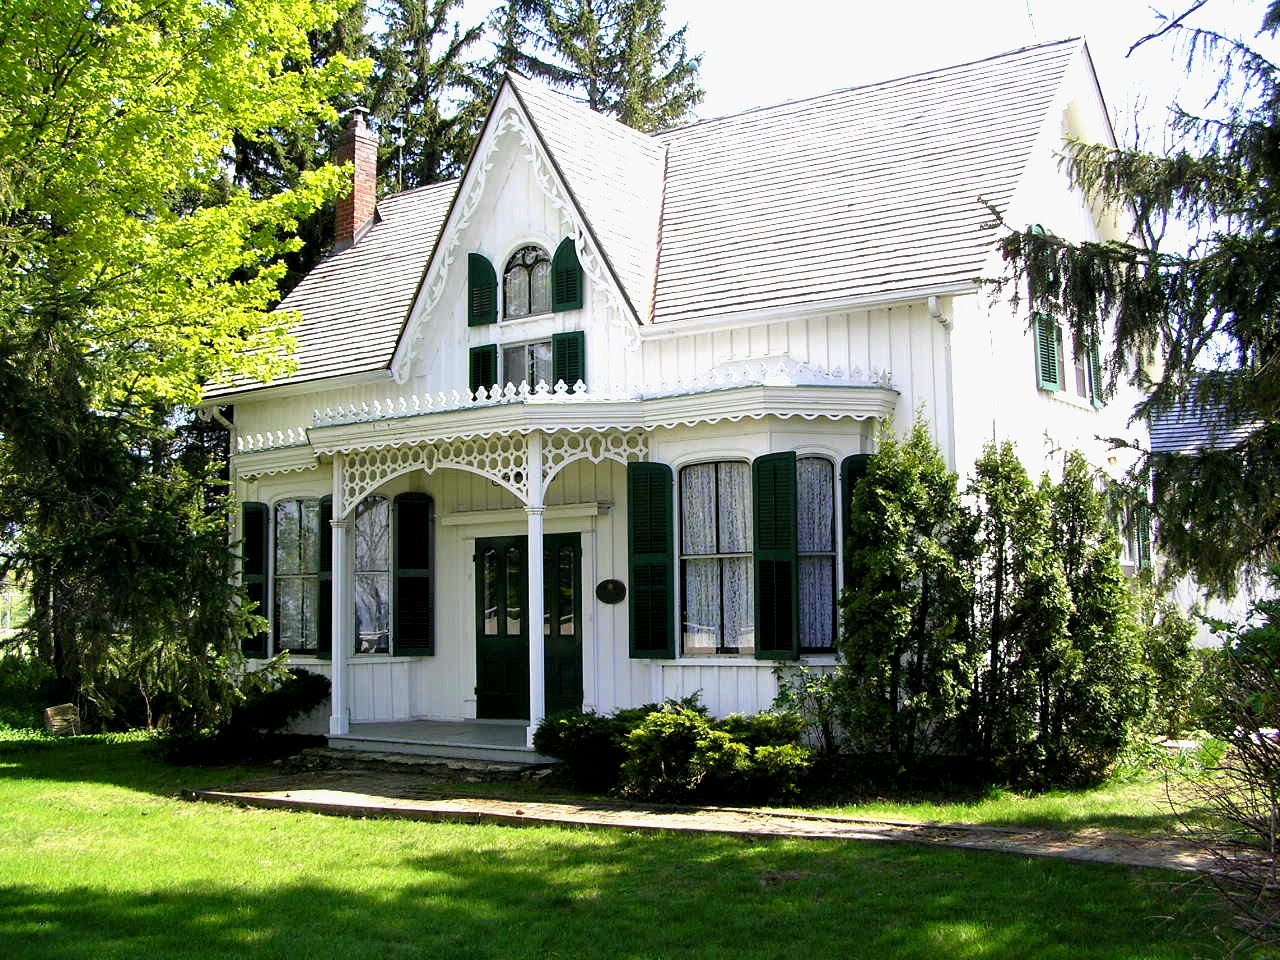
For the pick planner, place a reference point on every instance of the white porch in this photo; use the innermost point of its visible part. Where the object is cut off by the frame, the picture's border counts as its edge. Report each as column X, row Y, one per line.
column 515, row 447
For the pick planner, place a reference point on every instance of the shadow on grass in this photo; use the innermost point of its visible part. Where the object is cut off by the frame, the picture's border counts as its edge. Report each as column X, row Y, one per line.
column 485, row 894
column 131, row 764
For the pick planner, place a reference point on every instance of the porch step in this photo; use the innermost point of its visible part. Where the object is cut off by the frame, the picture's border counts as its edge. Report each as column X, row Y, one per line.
column 450, row 751
column 466, row 769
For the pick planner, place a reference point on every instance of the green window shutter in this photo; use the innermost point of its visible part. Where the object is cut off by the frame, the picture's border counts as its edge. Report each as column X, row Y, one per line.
column 482, row 291
column 777, row 569
column 1144, row 536
column 1095, row 369
column 324, row 603
column 414, row 601
column 253, row 544
column 483, row 367
column 852, row 469
column 651, row 563
column 1047, row 353
column 569, row 358
column 566, row 278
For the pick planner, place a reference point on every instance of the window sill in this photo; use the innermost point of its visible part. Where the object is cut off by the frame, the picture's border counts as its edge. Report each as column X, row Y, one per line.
column 728, row 660
column 1070, row 400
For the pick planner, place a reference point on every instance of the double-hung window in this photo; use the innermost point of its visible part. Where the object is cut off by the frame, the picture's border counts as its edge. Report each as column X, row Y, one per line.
column 299, row 559
column 527, row 363
column 718, row 612
column 392, row 576
column 373, row 575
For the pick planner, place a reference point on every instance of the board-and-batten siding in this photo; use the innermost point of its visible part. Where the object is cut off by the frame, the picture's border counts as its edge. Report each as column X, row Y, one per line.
column 903, row 341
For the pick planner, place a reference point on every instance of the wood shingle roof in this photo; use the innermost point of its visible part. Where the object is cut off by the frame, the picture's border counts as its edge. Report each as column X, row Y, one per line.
column 856, row 193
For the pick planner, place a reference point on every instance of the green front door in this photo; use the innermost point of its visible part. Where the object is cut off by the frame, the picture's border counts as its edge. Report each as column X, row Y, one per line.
column 562, row 621
column 502, row 626
column 502, row 630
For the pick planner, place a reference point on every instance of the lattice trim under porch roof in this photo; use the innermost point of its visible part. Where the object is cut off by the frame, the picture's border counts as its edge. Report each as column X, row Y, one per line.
column 495, row 441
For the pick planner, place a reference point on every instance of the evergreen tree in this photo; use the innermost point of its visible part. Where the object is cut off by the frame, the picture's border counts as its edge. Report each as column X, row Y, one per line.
column 615, row 55
column 1096, row 691
column 907, row 652
column 1021, row 613
column 1206, row 315
column 425, row 92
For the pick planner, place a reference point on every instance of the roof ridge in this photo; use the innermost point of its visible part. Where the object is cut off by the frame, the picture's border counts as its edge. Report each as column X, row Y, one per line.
column 868, row 86
column 452, row 182
column 529, row 84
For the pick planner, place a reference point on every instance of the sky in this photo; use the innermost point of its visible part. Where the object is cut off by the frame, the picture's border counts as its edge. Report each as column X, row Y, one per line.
column 759, row 53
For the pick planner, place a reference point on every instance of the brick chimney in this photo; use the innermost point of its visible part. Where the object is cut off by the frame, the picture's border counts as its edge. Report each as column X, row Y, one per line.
column 358, row 146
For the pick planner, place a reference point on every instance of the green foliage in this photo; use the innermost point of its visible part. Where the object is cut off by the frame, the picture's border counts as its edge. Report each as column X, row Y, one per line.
column 135, row 271
column 1022, row 613
column 615, row 55
column 273, row 700
column 1094, row 694
column 588, row 745
column 1239, row 804
column 678, row 754
column 26, row 688
column 1173, row 664
column 908, row 656
column 1004, row 632
column 813, row 697
column 425, row 91
column 1205, row 314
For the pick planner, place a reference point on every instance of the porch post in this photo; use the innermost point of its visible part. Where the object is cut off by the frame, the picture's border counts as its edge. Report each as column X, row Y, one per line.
column 340, row 641
column 535, row 603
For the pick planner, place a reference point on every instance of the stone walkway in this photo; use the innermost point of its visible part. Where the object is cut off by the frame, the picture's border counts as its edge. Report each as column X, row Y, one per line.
column 405, row 795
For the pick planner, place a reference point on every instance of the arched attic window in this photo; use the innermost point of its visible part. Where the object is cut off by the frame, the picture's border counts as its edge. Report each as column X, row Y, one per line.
column 526, row 283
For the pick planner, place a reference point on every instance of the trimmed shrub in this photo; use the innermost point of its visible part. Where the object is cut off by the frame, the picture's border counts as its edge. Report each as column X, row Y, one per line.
column 679, row 754
column 676, row 752
column 588, row 745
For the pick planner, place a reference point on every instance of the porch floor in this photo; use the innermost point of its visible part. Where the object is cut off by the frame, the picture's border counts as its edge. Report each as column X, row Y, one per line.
column 493, row 740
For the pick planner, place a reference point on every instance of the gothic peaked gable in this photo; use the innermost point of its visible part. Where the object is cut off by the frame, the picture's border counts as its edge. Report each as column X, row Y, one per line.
column 831, row 200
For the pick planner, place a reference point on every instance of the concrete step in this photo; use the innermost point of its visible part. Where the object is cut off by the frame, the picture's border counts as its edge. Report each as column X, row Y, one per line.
column 521, row 756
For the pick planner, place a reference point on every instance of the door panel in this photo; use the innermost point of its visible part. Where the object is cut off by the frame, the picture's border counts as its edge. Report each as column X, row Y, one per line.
column 562, row 621
column 502, row 630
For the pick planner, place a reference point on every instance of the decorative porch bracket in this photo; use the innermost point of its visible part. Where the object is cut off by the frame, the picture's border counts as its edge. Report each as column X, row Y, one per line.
column 503, row 458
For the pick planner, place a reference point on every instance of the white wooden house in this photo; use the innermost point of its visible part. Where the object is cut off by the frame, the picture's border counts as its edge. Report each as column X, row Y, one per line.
column 612, row 386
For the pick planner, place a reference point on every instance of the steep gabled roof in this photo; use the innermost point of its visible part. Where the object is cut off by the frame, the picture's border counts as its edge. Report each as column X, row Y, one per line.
column 614, row 174
column 352, row 302
column 858, row 192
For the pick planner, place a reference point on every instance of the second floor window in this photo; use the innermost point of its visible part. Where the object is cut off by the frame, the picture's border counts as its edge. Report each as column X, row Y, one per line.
column 526, row 283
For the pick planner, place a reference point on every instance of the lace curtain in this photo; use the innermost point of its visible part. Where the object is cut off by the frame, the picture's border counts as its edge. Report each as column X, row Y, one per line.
column 715, row 524
column 815, row 542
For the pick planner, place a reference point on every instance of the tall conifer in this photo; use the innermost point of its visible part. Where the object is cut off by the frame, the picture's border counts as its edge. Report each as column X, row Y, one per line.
column 425, row 91
column 614, row 55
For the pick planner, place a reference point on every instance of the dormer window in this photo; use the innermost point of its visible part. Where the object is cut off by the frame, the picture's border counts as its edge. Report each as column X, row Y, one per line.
column 526, row 283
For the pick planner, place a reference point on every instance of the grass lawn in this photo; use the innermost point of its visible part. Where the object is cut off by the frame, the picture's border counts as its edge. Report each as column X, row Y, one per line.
column 98, row 859
column 1139, row 806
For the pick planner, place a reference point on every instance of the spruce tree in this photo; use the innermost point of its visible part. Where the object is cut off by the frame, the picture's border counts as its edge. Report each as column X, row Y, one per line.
column 1197, row 324
column 1094, row 693
column 614, row 55
column 1021, row 613
column 425, row 91
column 907, row 651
